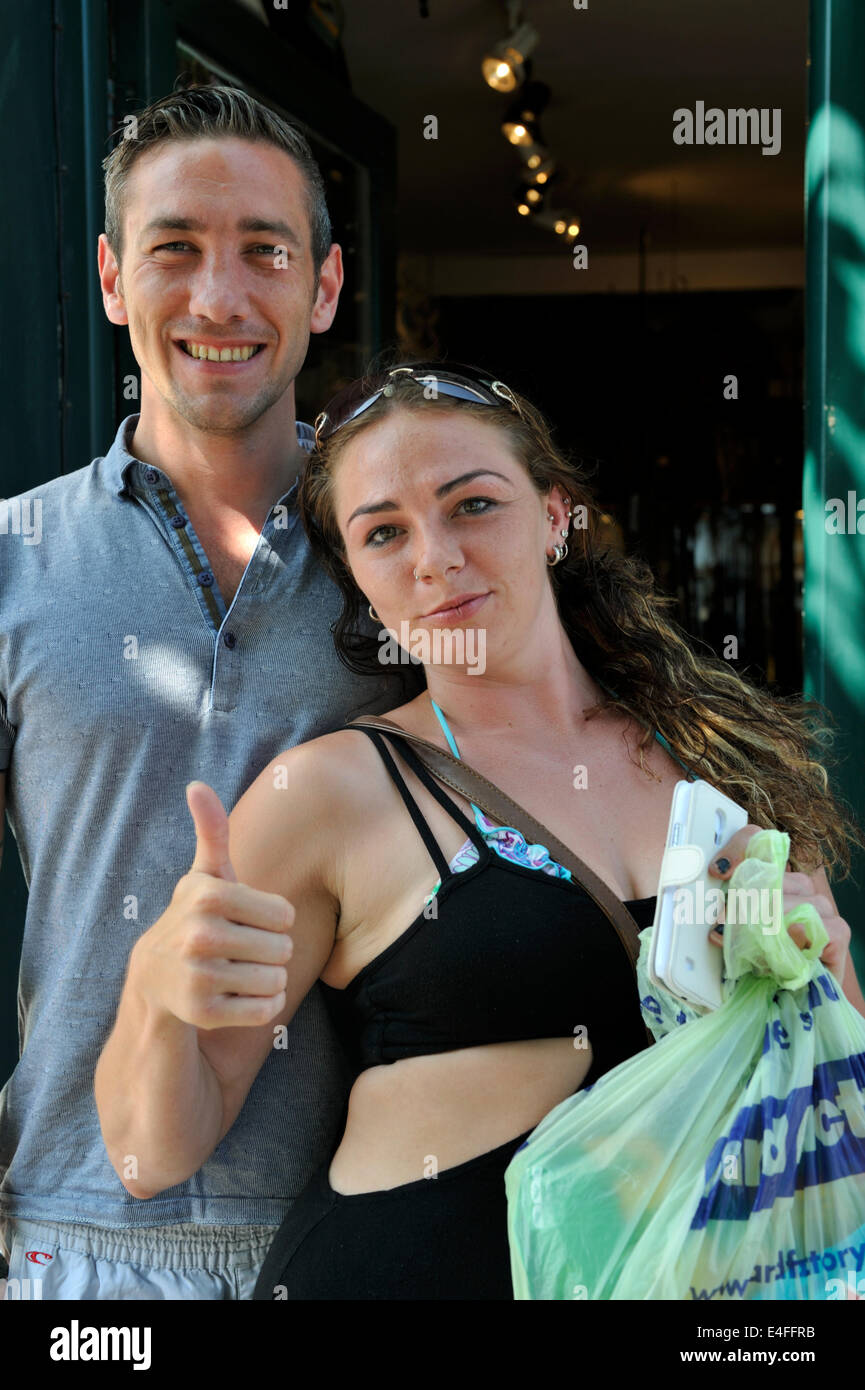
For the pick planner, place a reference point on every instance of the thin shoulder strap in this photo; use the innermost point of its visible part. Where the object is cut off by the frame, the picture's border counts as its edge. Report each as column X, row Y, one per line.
column 444, row 869
column 475, row 787
column 420, row 771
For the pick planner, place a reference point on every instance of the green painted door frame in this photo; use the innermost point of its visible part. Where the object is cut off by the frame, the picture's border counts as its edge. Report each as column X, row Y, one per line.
column 834, row 479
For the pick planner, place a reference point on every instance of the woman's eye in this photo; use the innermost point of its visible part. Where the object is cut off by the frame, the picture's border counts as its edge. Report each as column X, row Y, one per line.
column 369, row 539
column 488, row 502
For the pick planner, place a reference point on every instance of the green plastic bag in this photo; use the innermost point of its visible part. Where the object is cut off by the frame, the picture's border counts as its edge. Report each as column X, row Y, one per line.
column 728, row 1160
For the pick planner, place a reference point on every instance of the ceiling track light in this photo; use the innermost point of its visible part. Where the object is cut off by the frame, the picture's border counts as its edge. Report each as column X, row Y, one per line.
column 566, row 225
column 520, row 123
column 534, row 156
column 543, row 173
column 504, row 66
column 528, row 199
column 540, row 167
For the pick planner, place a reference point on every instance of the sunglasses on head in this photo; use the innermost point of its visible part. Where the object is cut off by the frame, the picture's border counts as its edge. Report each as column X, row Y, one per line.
column 461, row 382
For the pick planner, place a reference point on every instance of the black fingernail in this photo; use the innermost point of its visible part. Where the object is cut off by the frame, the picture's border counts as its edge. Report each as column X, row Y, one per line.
column 722, row 865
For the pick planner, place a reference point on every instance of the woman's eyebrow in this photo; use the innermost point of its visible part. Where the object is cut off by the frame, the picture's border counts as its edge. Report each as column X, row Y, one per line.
column 387, row 505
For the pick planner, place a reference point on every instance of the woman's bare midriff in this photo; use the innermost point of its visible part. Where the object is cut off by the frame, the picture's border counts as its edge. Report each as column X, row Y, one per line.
column 416, row 1117
column 421, row 1115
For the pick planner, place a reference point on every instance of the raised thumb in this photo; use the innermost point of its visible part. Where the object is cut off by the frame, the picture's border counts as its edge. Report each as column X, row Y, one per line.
column 211, row 832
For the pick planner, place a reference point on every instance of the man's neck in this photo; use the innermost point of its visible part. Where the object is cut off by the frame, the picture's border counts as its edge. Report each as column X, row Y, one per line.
column 243, row 473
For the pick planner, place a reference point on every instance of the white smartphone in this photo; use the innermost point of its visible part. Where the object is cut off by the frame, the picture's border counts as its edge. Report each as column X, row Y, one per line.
column 682, row 959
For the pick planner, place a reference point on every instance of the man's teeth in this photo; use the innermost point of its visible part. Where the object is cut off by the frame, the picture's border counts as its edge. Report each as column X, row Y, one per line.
column 238, row 354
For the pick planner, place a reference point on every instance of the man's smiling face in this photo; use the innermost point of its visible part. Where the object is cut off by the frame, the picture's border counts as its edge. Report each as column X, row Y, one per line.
column 217, row 259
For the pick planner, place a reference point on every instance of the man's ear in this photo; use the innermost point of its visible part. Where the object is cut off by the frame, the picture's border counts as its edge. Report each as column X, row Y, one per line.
column 109, row 278
column 329, row 285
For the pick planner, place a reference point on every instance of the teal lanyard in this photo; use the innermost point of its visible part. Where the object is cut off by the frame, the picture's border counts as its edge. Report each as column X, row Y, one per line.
column 456, row 752
column 661, row 740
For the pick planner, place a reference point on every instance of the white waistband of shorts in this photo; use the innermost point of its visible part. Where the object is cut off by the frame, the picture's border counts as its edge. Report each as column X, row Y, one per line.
column 158, row 1247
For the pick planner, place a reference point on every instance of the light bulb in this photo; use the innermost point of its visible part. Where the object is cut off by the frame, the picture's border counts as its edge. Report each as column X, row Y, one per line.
column 503, row 67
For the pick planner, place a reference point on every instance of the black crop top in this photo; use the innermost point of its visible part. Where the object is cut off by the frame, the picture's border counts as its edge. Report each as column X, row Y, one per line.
column 512, row 954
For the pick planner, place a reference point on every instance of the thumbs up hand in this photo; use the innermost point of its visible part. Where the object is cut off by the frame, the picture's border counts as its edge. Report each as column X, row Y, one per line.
column 217, row 956
column 211, row 833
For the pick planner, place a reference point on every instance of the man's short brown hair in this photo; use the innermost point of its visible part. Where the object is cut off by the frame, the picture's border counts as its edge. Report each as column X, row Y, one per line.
column 202, row 110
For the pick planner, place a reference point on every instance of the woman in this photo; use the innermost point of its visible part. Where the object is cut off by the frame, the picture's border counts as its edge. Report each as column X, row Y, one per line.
column 460, row 962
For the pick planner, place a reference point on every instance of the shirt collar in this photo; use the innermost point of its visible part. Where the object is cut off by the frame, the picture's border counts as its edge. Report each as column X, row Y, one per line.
column 119, row 461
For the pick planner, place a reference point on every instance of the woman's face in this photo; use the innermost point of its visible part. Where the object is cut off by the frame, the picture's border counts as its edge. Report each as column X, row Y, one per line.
column 440, row 492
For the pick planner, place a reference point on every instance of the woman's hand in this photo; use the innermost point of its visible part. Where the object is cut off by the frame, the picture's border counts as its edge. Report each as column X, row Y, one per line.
column 799, row 888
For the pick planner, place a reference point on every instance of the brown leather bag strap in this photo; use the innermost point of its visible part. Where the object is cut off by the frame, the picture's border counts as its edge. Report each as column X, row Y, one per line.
column 477, row 788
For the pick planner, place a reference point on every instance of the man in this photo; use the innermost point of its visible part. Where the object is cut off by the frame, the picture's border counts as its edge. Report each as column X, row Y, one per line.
column 170, row 626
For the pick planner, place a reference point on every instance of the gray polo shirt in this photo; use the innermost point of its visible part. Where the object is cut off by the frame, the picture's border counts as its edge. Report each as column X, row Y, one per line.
column 123, row 678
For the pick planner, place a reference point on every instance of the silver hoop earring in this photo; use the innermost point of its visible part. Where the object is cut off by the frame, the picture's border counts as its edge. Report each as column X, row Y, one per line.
column 560, row 552
column 374, row 616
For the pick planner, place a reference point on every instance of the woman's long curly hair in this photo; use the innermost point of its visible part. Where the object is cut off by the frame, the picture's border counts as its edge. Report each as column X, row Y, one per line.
column 765, row 751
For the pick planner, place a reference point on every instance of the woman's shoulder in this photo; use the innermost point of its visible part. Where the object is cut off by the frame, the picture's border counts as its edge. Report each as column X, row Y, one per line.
column 340, row 742
column 305, row 807
column 334, row 769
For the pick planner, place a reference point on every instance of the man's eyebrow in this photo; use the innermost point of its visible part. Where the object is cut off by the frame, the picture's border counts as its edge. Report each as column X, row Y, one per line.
column 264, row 224
column 169, row 222
column 386, row 505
